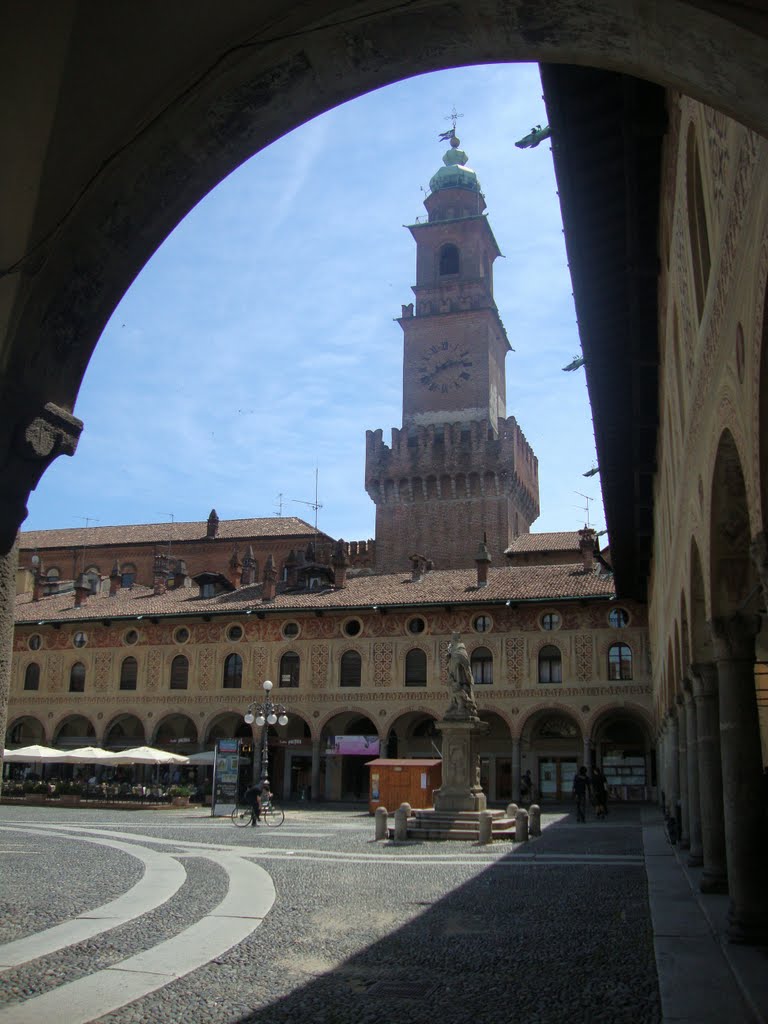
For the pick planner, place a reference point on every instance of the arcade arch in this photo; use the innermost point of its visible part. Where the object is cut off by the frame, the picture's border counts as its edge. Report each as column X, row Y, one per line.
column 24, row 731
column 346, row 777
column 412, row 734
column 176, row 733
column 123, row 732
column 74, row 731
column 551, row 748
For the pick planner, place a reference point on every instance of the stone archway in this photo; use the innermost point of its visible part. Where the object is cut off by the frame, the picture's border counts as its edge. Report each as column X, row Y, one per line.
column 74, row 731
column 552, row 749
column 622, row 744
column 176, row 733
column 345, row 753
column 24, row 731
column 123, row 732
column 412, row 734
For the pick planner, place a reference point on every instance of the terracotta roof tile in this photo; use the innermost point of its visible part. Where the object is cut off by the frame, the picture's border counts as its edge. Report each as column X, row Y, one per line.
column 150, row 533
column 564, row 541
column 440, row 586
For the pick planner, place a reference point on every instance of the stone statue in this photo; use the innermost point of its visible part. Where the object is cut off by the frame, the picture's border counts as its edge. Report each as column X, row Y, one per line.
column 460, row 679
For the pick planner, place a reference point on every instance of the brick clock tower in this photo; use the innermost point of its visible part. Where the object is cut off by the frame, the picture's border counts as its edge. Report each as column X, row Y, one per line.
column 458, row 468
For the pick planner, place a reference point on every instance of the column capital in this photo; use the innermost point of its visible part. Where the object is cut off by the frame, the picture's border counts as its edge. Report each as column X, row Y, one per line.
column 704, row 679
column 733, row 637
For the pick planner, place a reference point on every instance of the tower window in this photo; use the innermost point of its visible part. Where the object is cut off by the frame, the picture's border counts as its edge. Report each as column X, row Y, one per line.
column 449, row 260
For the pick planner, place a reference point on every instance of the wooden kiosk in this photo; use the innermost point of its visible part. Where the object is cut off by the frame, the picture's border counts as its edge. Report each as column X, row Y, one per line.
column 394, row 781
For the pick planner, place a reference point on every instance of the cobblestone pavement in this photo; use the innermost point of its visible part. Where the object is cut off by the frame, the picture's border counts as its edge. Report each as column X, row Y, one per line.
column 556, row 929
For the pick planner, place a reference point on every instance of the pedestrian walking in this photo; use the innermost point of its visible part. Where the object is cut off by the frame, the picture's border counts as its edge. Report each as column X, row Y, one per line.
column 581, row 786
column 599, row 792
column 526, row 787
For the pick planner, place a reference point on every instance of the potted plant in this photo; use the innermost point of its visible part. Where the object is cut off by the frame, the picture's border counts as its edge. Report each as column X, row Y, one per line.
column 180, row 795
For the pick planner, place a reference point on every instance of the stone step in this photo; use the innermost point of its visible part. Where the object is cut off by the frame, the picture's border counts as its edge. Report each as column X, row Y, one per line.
column 456, row 833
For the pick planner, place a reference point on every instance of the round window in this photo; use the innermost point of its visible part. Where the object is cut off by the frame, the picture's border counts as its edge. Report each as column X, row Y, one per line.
column 550, row 620
column 416, row 625
column 618, row 617
column 131, row 637
column 181, row 635
column 80, row 639
column 290, row 630
column 35, row 642
column 353, row 627
column 235, row 633
column 482, row 624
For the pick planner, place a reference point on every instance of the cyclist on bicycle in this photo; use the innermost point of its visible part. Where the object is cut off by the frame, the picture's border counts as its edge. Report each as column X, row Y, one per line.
column 252, row 798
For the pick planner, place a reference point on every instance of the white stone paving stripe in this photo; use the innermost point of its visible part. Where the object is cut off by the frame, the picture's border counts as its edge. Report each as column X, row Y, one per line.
column 249, row 898
column 163, row 877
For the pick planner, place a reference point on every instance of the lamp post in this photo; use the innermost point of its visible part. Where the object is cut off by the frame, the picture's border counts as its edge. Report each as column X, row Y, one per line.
column 264, row 714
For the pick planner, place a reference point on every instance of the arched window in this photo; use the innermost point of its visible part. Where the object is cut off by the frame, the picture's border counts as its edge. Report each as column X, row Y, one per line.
column 351, row 669
column 550, row 665
column 179, row 672
column 233, row 672
column 449, row 260
column 129, row 673
column 481, row 661
column 290, row 665
column 619, row 661
column 32, row 676
column 416, row 668
column 77, row 678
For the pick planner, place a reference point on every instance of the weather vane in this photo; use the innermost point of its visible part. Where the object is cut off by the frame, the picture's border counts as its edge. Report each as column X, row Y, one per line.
column 453, row 118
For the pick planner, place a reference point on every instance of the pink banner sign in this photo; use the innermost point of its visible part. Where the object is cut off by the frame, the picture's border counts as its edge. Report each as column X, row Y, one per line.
column 367, row 746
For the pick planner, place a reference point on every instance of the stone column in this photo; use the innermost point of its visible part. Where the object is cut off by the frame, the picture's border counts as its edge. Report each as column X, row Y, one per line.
column 682, row 761
column 516, row 768
column 460, row 789
column 586, row 751
column 7, row 605
column 695, row 857
column 673, row 767
column 704, row 680
column 661, row 765
column 743, row 796
column 316, row 794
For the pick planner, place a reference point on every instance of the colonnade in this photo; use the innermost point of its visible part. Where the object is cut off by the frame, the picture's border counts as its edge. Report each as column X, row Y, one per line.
column 710, row 770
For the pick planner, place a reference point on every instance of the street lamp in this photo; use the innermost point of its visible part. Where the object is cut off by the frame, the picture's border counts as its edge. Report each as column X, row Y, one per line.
column 264, row 714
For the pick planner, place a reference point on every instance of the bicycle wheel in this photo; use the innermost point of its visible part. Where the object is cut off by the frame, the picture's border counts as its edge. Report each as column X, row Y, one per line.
column 273, row 816
column 241, row 816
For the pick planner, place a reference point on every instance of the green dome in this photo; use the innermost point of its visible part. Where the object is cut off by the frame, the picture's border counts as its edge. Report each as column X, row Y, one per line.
column 455, row 173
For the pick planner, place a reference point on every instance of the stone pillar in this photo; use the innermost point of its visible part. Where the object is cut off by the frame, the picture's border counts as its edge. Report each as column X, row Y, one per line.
column 516, row 773
column 316, row 794
column 521, row 826
column 7, row 604
column 704, row 679
column 586, row 753
column 534, row 820
column 682, row 762
column 661, row 765
column 743, row 796
column 381, row 824
column 460, row 789
column 673, row 768
column 695, row 856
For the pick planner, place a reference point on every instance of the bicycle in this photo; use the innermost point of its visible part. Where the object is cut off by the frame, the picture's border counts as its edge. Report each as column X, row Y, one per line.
column 272, row 816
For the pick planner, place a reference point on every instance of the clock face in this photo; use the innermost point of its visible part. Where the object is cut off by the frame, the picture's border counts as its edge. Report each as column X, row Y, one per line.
column 444, row 367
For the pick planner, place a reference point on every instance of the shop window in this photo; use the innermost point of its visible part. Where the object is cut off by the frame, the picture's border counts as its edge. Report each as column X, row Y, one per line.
column 416, row 668
column 179, row 673
column 77, row 678
column 482, row 666
column 32, row 676
column 619, row 662
column 233, row 672
column 350, row 669
column 550, row 665
column 290, row 665
column 129, row 673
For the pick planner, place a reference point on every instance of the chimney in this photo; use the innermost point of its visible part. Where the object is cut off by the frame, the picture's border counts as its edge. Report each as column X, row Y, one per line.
column 160, row 575
column 291, row 569
column 179, row 573
column 248, row 575
column 212, row 529
column 114, row 580
column 236, row 569
column 38, row 578
column 482, row 561
column 421, row 566
column 587, row 541
column 340, row 563
column 82, row 590
column 268, row 588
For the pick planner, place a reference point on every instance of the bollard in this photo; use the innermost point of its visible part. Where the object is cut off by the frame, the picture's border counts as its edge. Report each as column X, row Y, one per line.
column 485, row 831
column 512, row 810
column 401, row 822
column 534, row 820
column 521, row 826
column 380, row 823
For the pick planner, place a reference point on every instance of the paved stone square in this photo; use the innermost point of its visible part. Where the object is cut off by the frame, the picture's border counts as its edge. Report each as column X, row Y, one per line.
column 315, row 921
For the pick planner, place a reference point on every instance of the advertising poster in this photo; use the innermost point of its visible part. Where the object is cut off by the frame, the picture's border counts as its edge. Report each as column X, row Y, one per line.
column 225, row 775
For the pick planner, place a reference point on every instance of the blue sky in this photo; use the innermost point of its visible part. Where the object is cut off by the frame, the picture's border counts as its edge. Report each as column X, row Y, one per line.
column 259, row 342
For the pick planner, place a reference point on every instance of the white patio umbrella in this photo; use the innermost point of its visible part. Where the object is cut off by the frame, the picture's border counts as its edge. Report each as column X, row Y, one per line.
column 144, row 755
column 83, row 755
column 204, row 757
column 35, row 752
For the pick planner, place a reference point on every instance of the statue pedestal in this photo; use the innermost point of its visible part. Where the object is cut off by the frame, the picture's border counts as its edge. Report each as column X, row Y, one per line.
column 460, row 790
